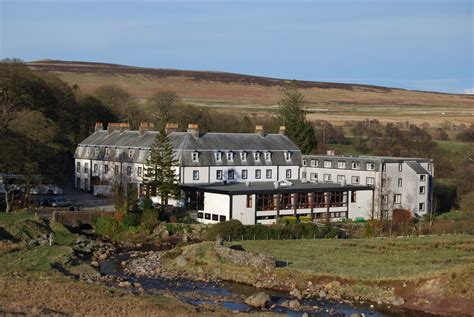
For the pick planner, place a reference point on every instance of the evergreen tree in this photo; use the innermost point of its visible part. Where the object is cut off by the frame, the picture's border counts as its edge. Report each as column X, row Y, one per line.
column 293, row 117
column 160, row 177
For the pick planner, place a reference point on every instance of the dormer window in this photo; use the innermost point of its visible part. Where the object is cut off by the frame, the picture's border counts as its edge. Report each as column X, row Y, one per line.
column 130, row 153
column 230, row 156
column 288, row 156
column 268, row 156
column 96, row 151
column 195, row 156
column 218, row 156
column 370, row 166
column 356, row 165
column 107, row 151
column 87, row 150
column 243, row 156
column 256, row 156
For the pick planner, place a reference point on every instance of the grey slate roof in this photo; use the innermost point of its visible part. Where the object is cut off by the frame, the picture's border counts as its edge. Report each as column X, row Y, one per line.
column 119, row 143
column 417, row 167
column 269, row 188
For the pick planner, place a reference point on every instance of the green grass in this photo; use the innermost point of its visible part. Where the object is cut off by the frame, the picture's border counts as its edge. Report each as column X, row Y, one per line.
column 9, row 219
column 370, row 259
column 453, row 146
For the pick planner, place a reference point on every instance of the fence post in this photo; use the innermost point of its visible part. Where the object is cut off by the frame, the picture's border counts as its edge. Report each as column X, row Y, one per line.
column 254, row 237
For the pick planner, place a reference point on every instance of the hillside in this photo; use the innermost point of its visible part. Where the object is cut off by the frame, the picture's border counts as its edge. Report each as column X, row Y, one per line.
column 236, row 92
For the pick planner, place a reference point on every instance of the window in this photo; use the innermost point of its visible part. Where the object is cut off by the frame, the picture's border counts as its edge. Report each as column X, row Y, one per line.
column 218, row 156
column 422, row 190
column 230, row 156
column 400, row 167
column 268, row 173
column 303, row 200
column 86, row 168
column 230, row 174
column 78, row 167
column 200, row 215
column 268, row 156
column 256, row 156
column 353, row 197
column 327, row 177
column 370, row 166
column 422, row 178
column 219, row 174
column 305, row 162
column 78, row 182
column 96, row 151
column 264, row 202
column 249, row 201
column 400, row 182
column 244, row 174
column 222, row 218
column 129, row 170
column 313, row 176
column 384, row 199
column 288, row 156
column 397, row 198
column 303, row 175
column 243, row 156
column 421, row 206
column 258, row 174
column 341, row 179
column 285, row 201
column 106, row 168
column 96, row 167
column 384, row 167
column 341, row 164
column 328, row 164
column 384, row 182
column 314, row 163
column 107, row 151
column 356, row 165
column 116, row 169
column 215, row 217
column 319, row 200
column 139, row 171
column 195, row 175
column 355, row 180
column 288, row 173
column 130, row 153
column 207, row 216
column 337, row 199
column 370, row 180
column 195, row 156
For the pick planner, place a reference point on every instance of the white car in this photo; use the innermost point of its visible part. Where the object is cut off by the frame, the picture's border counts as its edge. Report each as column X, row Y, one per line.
column 46, row 190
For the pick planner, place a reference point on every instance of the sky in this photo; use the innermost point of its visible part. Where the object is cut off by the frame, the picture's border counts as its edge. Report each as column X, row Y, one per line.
column 413, row 44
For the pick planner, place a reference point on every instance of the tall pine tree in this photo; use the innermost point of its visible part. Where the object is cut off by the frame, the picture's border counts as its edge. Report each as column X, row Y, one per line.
column 293, row 117
column 160, row 178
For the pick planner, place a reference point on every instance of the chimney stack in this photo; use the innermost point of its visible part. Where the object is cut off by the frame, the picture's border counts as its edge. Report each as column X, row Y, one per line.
column 282, row 130
column 171, row 127
column 99, row 126
column 118, row 126
column 331, row 152
column 145, row 127
column 193, row 128
column 259, row 130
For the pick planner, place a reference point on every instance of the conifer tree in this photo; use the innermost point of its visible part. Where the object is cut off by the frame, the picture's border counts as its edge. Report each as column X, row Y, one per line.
column 293, row 117
column 160, row 177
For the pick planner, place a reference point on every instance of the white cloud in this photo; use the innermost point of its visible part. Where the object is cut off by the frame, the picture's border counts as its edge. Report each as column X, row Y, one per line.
column 469, row 91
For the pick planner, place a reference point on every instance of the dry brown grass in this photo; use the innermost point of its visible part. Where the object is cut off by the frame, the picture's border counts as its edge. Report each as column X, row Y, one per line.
column 232, row 92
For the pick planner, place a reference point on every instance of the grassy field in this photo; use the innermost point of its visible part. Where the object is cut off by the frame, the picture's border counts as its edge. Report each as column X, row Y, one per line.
column 248, row 94
column 371, row 259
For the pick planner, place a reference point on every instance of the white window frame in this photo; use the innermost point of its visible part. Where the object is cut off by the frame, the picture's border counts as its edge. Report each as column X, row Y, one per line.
column 258, row 174
column 243, row 156
column 230, row 174
column 107, row 151
column 288, row 173
column 129, row 171
column 422, row 190
column 327, row 164
column 327, row 177
column 400, row 182
column 341, row 178
column 268, row 173
column 422, row 178
column 315, row 176
column 400, row 167
column 370, row 180
column 355, row 180
column 195, row 175
column 256, row 156
column 314, row 163
column 139, row 171
column 268, row 156
column 230, row 156
column 195, row 156
column 397, row 198
column 421, row 207
column 245, row 174
column 218, row 156
column 304, row 162
column 288, row 156
column 341, row 164
column 355, row 165
column 370, row 166
column 219, row 174
column 130, row 153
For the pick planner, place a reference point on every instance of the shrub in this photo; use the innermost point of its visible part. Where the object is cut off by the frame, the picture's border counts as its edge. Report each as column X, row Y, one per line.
column 232, row 228
column 149, row 219
column 106, row 226
column 131, row 220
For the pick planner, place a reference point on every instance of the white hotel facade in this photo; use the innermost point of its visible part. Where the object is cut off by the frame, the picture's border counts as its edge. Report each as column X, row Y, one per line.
column 252, row 177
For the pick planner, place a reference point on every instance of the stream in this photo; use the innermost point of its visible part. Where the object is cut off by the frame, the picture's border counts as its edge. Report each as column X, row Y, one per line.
column 231, row 295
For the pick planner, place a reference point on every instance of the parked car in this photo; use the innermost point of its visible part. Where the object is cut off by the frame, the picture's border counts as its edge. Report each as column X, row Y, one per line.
column 54, row 202
column 48, row 189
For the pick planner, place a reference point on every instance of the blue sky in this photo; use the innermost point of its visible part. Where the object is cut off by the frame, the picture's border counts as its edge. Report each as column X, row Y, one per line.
column 414, row 44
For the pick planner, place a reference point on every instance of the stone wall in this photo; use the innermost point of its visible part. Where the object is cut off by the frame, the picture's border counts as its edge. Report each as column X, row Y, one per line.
column 244, row 258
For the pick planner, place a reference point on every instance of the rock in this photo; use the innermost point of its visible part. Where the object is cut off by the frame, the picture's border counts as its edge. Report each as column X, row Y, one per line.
column 125, row 284
column 305, row 315
column 259, row 300
column 296, row 293
column 95, row 264
column 181, row 261
column 294, row 304
column 397, row 301
column 334, row 285
column 356, row 315
column 103, row 256
column 322, row 293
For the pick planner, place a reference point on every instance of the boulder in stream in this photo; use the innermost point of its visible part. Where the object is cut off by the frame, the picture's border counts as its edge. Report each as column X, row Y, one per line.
column 258, row 300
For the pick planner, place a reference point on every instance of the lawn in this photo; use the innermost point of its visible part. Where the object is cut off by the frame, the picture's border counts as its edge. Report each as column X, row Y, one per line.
column 371, row 259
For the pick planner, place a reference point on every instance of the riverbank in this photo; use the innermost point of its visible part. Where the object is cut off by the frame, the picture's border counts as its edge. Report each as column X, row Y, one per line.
column 427, row 274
